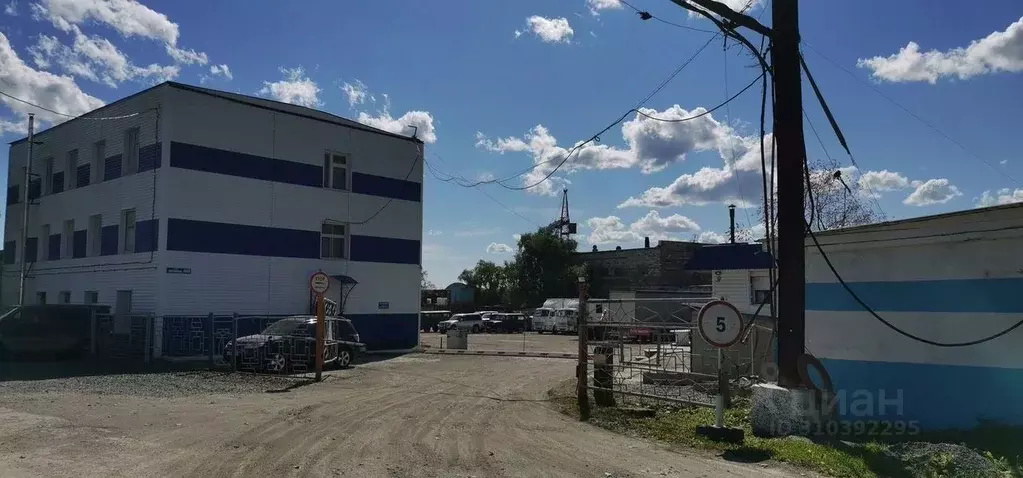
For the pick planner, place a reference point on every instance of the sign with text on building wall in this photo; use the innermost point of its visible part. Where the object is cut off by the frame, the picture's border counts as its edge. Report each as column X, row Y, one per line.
column 179, row 270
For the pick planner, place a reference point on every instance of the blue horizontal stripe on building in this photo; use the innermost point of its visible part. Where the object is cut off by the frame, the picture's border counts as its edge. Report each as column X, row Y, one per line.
column 938, row 396
column 232, row 163
column 224, row 238
column 377, row 331
column 958, row 295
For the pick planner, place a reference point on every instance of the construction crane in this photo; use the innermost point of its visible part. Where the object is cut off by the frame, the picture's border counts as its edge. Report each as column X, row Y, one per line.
column 563, row 226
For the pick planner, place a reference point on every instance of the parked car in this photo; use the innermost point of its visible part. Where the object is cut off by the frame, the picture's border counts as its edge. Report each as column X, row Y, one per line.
column 48, row 330
column 471, row 322
column 542, row 320
column 430, row 319
column 289, row 346
column 505, row 323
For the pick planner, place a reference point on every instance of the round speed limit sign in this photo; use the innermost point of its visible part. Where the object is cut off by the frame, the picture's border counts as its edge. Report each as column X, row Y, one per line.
column 720, row 323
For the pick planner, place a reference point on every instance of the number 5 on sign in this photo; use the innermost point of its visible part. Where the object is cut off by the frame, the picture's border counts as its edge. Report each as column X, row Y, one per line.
column 720, row 323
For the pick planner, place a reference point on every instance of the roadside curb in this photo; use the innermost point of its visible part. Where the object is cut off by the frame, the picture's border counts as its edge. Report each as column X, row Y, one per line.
column 501, row 353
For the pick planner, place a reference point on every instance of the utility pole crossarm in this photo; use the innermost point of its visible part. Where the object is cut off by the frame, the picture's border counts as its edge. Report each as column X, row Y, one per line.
column 727, row 13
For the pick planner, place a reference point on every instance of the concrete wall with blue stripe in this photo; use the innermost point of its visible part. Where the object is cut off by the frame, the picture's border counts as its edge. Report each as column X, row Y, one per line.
column 245, row 207
column 952, row 278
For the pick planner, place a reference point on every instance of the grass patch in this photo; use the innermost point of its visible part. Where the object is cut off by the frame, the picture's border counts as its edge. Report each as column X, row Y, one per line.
column 677, row 427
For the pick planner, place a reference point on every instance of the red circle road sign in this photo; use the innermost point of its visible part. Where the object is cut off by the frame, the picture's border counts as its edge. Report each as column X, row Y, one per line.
column 720, row 323
column 319, row 282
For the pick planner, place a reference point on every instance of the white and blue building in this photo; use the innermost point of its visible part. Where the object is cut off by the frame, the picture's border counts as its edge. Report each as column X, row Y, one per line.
column 182, row 200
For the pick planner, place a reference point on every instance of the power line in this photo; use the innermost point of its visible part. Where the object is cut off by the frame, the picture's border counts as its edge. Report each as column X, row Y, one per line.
column 434, row 172
column 873, row 195
column 728, row 120
column 419, row 156
column 645, row 15
column 15, row 98
column 914, row 115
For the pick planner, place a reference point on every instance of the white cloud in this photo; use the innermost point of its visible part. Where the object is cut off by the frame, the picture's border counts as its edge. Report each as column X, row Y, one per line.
column 419, row 122
column 596, row 6
column 711, row 237
column 876, row 182
column 295, row 88
column 433, row 232
column 11, row 8
column 96, row 59
column 55, row 92
column 550, row 30
column 737, row 5
column 477, row 232
column 651, row 145
column 932, row 191
column 517, row 237
column 1001, row 51
column 129, row 17
column 17, row 127
column 611, row 229
column 518, row 33
column 999, row 197
column 221, row 70
column 498, row 248
column 356, row 92
column 1004, row 162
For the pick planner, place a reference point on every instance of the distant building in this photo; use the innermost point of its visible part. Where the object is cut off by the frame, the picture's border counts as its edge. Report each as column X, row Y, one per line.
column 739, row 274
column 434, row 299
column 658, row 267
column 459, row 293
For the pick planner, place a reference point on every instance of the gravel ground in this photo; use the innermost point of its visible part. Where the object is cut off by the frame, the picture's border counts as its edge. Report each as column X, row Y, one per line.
column 415, row 415
column 925, row 460
column 163, row 385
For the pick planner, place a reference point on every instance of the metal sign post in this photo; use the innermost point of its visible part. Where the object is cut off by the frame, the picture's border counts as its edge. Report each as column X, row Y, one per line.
column 318, row 284
column 720, row 325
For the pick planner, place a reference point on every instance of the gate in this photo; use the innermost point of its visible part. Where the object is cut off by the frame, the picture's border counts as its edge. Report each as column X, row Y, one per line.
column 122, row 338
column 642, row 351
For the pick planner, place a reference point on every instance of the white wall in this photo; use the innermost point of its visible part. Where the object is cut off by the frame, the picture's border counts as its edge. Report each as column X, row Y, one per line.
column 954, row 278
column 105, row 274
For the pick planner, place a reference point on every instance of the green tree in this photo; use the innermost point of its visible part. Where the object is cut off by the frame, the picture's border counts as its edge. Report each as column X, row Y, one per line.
column 489, row 280
column 544, row 267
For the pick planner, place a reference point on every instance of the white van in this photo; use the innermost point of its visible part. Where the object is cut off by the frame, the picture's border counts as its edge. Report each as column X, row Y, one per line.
column 565, row 321
column 542, row 319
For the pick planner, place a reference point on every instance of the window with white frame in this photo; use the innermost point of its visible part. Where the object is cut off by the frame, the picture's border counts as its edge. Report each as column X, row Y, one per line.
column 71, row 169
column 68, row 239
column 335, row 171
column 64, row 297
column 131, row 151
column 91, row 297
column 93, row 237
column 332, row 241
column 128, row 226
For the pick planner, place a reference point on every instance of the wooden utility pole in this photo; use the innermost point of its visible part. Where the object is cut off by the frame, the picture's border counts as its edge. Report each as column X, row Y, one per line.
column 582, row 368
column 791, row 154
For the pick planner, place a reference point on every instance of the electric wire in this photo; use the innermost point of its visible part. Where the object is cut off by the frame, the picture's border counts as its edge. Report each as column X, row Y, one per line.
column 48, row 110
column 435, row 173
column 645, row 15
column 419, row 156
column 911, row 113
column 728, row 121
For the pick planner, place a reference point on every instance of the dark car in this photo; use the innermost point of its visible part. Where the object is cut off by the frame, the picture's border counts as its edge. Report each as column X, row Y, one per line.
column 288, row 346
column 429, row 320
column 505, row 323
column 48, row 330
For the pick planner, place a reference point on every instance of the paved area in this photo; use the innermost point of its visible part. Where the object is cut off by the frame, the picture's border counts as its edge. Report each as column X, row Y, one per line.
column 528, row 342
column 416, row 415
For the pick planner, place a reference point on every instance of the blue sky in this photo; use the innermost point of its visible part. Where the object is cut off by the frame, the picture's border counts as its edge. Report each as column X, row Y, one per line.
column 497, row 86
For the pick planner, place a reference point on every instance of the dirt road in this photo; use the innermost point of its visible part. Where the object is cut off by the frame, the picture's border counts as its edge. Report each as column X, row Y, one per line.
column 416, row 415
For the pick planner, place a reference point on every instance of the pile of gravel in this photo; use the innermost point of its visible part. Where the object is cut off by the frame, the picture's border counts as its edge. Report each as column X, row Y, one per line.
column 162, row 384
column 926, row 460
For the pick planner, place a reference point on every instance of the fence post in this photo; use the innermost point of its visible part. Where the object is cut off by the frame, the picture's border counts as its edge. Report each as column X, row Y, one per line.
column 93, row 325
column 581, row 368
column 209, row 338
column 234, row 342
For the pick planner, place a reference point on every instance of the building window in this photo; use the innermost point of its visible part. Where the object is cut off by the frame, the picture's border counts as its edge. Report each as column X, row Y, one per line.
column 335, row 171
column 93, row 238
column 99, row 152
column 69, row 239
column 71, row 168
column 41, row 298
column 761, row 297
column 91, row 297
column 64, row 297
column 131, row 151
column 48, row 176
column 128, row 226
column 332, row 241
column 44, row 238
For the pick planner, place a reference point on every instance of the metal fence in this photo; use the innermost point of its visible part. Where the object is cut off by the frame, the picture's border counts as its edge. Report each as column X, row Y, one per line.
column 122, row 338
column 649, row 351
